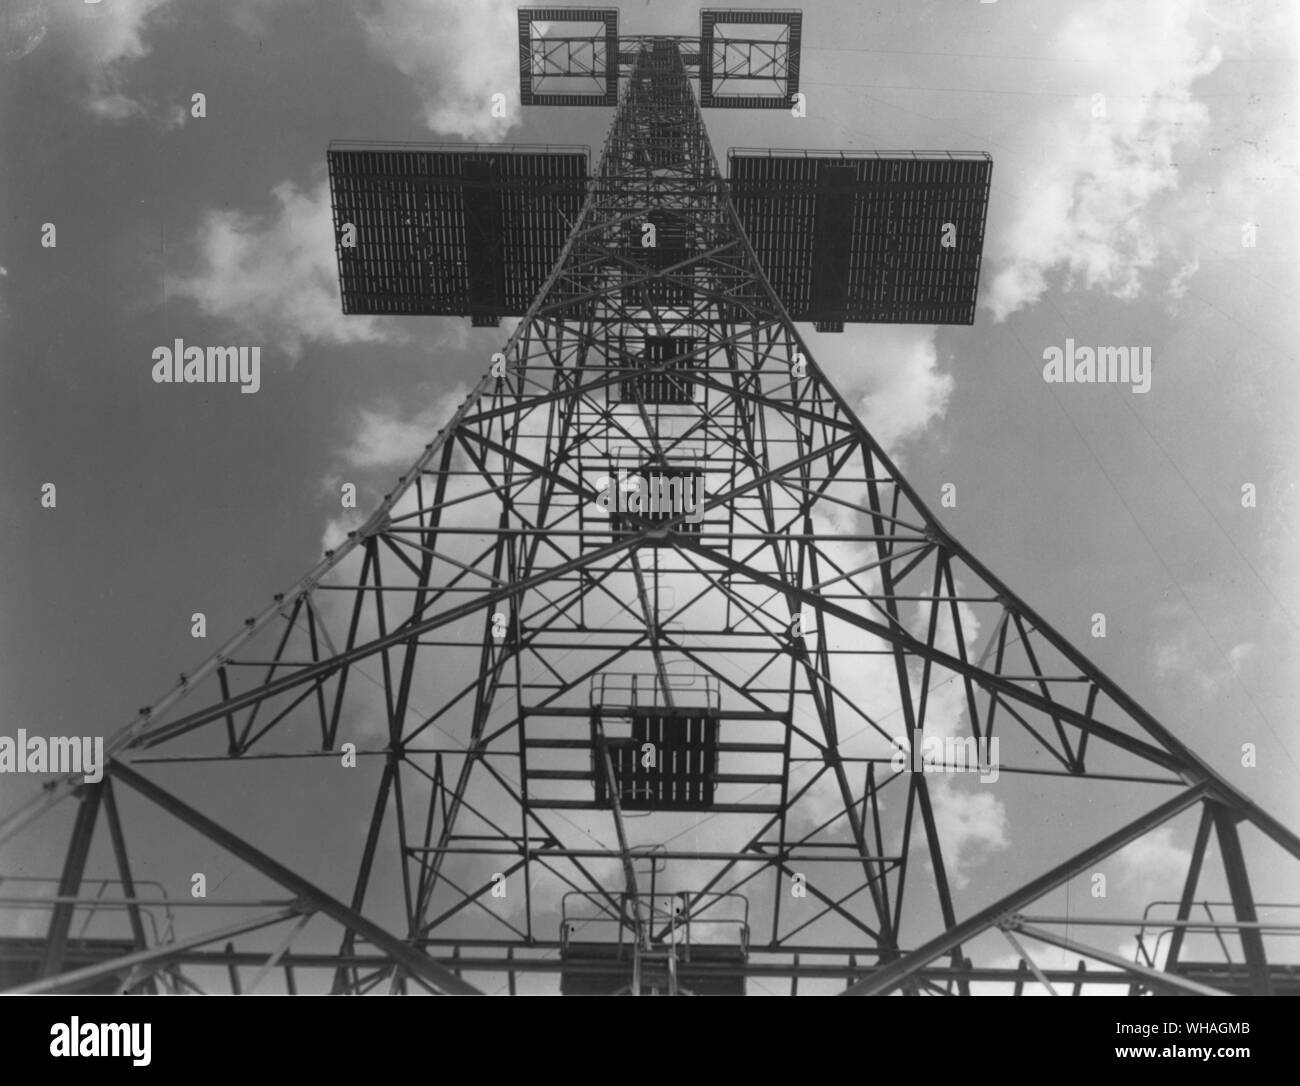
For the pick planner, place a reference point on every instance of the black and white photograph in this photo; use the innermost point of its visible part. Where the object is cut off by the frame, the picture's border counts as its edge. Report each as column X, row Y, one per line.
column 649, row 500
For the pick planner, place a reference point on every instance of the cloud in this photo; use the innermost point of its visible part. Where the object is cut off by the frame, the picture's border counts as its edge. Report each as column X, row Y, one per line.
column 98, row 42
column 1048, row 958
column 381, row 438
column 1178, row 284
column 1186, row 652
column 457, row 55
column 384, row 440
column 22, row 28
column 249, row 16
column 275, row 276
column 1158, row 949
column 1088, row 210
column 892, row 372
column 1154, row 858
column 386, row 437
column 970, row 824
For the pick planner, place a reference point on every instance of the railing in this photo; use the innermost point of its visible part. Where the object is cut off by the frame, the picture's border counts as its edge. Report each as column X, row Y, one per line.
column 94, row 902
column 674, row 919
column 639, row 690
column 784, row 152
column 419, row 145
column 1210, row 924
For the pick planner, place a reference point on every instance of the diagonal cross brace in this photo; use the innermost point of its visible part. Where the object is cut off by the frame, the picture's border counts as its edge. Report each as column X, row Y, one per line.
column 405, row 955
column 888, row 977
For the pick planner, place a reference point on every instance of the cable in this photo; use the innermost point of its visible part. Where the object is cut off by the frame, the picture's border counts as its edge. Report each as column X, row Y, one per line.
column 1160, row 558
column 1001, row 56
column 987, row 90
column 1195, row 493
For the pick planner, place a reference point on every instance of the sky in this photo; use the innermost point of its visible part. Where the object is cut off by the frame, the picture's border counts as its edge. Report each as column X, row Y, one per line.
column 1144, row 193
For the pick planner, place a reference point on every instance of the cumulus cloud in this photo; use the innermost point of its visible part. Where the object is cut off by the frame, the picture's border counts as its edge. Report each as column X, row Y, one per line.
column 891, row 375
column 1155, row 858
column 1178, row 284
column 100, row 42
column 382, row 438
column 1086, row 210
column 23, row 26
column 275, row 276
column 901, row 398
column 457, row 55
column 1153, row 953
column 970, row 821
column 110, row 37
column 1047, row 958
column 1183, row 651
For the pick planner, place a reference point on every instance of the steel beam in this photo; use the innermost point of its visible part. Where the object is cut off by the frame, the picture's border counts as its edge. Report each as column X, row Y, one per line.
column 411, row 959
column 888, row 977
column 74, row 866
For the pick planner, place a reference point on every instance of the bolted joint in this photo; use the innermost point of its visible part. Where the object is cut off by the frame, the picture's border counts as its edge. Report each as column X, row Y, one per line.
column 1010, row 922
column 938, row 536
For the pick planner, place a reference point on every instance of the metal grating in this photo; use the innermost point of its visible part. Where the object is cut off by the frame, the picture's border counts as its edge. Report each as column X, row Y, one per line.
column 672, row 384
column 673, row 246
column 682, row 778
column 858, row 237
column 532, row 47
column 449, row 230
column 665, row 490
column 781, row 67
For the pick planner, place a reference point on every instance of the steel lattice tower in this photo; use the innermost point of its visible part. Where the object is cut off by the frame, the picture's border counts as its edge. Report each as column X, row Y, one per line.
column 632, row 748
